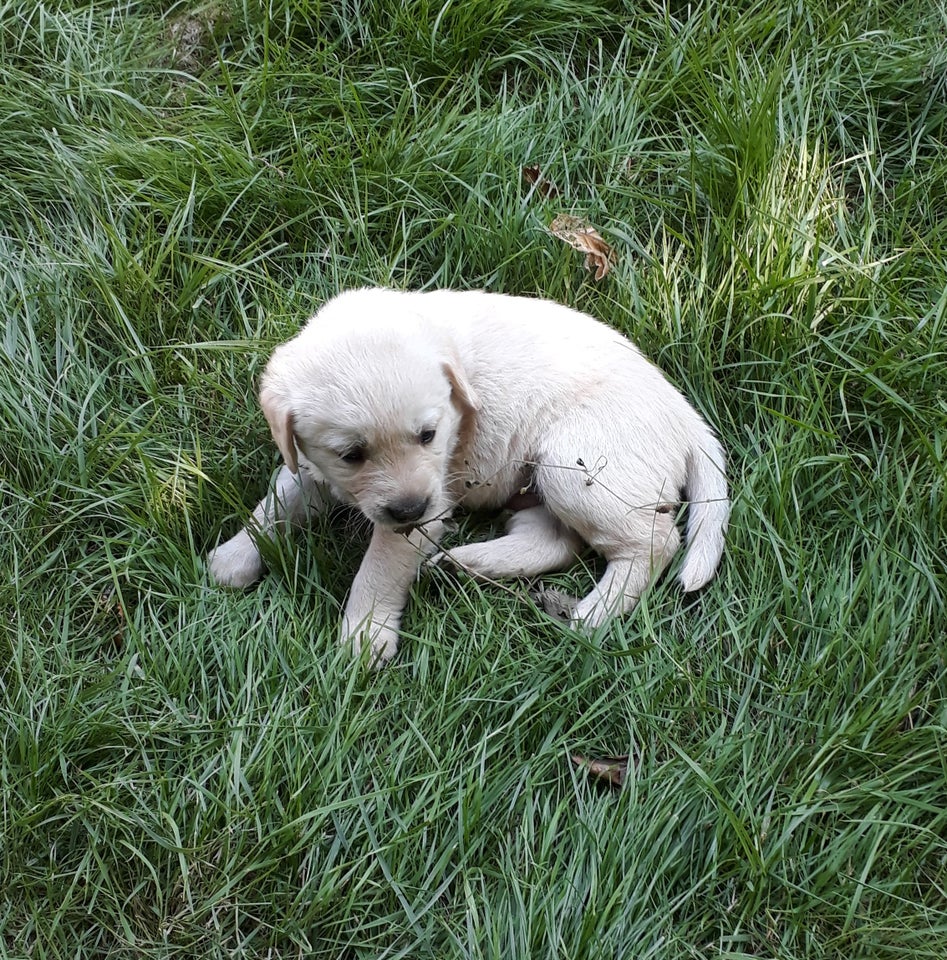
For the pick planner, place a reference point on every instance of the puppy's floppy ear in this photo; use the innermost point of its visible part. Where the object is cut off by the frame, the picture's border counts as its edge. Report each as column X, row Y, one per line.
column 461, row 391
column 280, row 418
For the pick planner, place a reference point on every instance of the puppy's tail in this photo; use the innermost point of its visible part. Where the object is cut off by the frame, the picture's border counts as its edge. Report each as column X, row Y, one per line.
column 707, row 513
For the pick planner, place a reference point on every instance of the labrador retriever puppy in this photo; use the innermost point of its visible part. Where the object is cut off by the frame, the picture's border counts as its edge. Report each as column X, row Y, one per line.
column 408, row 405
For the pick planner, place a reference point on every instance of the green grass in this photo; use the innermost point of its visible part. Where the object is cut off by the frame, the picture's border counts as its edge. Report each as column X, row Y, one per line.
column 191, row 772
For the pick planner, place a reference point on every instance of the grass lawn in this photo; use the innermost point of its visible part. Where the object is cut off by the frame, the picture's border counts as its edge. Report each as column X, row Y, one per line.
column 191, row 772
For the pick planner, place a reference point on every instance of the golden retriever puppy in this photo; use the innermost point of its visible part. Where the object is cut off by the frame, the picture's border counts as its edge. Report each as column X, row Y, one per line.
column 407, row 405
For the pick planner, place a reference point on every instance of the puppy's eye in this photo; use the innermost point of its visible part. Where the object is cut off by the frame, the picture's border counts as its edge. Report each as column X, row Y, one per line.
column 425, row 437
column 353, row 455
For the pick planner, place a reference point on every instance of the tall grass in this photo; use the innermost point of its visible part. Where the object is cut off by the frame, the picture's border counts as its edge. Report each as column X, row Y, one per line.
column 192, row 772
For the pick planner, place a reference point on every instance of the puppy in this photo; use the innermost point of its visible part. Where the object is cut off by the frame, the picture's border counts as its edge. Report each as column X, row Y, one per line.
column 407, row 405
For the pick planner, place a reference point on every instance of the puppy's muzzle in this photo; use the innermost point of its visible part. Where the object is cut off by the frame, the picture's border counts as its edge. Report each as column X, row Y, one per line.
column 407, row 509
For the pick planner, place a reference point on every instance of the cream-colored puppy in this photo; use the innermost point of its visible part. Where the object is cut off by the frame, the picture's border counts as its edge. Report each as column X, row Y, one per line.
column 407, row 405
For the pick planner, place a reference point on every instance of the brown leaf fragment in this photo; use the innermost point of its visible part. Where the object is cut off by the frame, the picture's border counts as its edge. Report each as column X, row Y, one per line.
column 533, row 176
column 610, row 770
column 599, row 256
column 556, row 603
column 109, row 614
column 192, row 36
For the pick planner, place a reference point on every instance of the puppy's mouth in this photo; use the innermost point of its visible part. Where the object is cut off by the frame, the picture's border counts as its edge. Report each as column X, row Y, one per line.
column 419, row 524
column 405, row 514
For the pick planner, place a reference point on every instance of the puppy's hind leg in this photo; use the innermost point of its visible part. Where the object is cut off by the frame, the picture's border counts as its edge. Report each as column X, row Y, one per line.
column 620, row 521
column 292, row 498
column 630, row 571
column 616, row 593
column 535, row 542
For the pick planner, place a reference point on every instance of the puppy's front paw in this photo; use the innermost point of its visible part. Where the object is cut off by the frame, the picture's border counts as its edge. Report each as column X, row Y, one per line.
column 381, row 640
column 236, row 563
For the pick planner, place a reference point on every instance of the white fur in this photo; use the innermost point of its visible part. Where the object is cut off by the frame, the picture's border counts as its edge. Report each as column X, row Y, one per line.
column 519, row 393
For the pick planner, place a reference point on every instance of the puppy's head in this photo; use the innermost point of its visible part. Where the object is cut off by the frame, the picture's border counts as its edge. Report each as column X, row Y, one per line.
column 375, row 413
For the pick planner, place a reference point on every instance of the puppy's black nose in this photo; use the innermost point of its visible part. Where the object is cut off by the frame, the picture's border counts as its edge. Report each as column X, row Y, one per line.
column 407, row 509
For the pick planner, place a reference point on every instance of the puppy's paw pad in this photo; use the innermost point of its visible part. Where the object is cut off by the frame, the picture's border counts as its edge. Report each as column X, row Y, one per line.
column 446, row 560
column 559, row 605
column 470, row 559
column 383, row 652
column 381, row 643
column 235, row 563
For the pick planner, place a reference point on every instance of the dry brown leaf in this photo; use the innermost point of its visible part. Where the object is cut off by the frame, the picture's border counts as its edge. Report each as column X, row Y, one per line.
column 599, row 256
column 558, row 604
column 533, row 176
column 109, row 616
column 192, row 37
column 610, row 770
